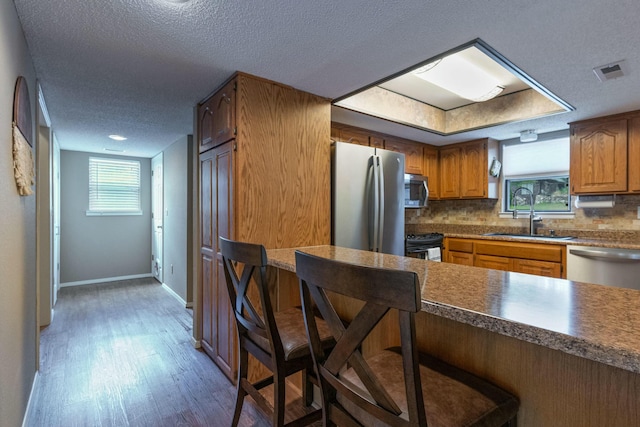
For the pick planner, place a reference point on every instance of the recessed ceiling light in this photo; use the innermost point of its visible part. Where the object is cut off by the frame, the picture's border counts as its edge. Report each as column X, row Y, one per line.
column 117, row 137
column 462, row 77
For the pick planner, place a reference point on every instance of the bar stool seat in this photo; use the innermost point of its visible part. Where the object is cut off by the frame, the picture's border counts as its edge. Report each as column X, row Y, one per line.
column 452, row 397
column 295, row 343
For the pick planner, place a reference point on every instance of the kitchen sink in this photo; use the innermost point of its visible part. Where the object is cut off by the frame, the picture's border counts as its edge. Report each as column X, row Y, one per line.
column 528, row 236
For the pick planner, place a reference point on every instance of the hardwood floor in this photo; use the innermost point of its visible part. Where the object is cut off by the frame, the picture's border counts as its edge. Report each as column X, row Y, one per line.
column 120, row 354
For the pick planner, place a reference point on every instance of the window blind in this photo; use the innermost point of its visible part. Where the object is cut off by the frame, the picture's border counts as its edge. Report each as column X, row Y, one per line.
column 114, row 186
column 536, row 158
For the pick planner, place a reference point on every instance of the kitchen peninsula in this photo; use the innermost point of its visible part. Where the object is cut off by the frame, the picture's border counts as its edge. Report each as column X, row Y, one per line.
column 570, row 351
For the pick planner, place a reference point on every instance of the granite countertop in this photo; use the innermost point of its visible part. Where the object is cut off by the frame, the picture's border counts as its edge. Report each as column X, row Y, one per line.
column 599, row 323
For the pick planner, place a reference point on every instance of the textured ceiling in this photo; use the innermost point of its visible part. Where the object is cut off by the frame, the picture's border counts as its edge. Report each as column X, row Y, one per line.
column 138, row 67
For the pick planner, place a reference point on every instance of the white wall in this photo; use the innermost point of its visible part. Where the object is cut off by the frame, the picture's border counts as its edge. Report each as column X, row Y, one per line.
column 96, row 248
column 177, row 217
column 18, row 346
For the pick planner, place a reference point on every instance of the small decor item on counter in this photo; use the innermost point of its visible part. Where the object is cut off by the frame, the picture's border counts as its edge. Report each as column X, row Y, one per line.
column 22, row 132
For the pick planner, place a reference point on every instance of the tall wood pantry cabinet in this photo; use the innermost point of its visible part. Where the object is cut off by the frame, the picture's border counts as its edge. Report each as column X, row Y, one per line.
column 264, row 178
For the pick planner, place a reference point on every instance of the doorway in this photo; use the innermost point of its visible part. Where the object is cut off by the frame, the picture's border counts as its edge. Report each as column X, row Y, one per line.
column 157, row 215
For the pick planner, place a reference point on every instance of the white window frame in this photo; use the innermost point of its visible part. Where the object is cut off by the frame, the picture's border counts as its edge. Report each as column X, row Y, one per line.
column 94, row 189
column 505, row 213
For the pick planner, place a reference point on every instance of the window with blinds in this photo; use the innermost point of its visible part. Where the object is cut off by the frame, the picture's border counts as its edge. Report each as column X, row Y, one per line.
column 542, row 169
column 114, row 187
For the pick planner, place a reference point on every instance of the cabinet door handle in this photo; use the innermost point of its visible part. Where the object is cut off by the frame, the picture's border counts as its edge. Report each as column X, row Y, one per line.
column 224, row 98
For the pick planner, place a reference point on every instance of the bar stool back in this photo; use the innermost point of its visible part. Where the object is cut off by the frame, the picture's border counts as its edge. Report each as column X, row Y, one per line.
column 398, row 386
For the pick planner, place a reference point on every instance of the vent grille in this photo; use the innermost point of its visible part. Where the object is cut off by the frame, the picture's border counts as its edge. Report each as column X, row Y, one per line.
column 610, row 71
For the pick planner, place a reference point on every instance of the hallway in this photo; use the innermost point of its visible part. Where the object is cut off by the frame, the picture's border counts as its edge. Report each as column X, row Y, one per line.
column 120, row 354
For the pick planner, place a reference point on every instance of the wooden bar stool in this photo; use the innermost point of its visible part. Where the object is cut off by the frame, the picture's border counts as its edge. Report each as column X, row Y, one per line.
column 398, row 386
column 277, row 339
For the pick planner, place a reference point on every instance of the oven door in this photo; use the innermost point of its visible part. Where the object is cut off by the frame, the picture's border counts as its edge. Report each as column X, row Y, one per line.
column 430, row 252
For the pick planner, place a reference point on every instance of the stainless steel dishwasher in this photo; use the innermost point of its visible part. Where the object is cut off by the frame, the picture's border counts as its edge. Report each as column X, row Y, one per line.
column 604, row 266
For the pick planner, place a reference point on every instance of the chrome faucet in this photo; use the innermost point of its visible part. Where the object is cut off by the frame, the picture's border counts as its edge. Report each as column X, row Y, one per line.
column 532, row 214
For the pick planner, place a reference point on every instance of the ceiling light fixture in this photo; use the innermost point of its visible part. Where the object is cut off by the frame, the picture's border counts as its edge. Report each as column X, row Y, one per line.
column 529, row 135
column 117, row 137
column 459, row 76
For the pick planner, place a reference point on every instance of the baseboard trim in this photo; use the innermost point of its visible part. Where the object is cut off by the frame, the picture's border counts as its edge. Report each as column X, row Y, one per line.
column 105, row 280
column 27, row 411
column 174, row 294
column 196, row 343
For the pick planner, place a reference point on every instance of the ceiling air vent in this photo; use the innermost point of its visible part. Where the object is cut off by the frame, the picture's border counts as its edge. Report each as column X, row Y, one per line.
column 611, row 71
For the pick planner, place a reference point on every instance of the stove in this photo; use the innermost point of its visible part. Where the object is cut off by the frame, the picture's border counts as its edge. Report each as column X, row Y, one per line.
column 424, row 245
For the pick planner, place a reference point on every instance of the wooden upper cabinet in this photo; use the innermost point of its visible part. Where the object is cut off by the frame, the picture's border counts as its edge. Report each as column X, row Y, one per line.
column 205, row 126
column 599, row 157
column 354, row 136
column 473, row 170
column 376, row 141
column 633, row 144
column 223, row 104
column 431, row 169
column 449, row 173
column 217, row 118
column 413, row 161
column 464, row 170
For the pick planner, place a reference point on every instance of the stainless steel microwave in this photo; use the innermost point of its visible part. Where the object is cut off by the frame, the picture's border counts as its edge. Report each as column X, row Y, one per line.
column 416, row 191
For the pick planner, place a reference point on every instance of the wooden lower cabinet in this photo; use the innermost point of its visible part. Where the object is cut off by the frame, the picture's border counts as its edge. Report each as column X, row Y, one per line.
column 219, row 338
column 531, row 258
column 539, row 268
column 461, row 258
column 493, row 262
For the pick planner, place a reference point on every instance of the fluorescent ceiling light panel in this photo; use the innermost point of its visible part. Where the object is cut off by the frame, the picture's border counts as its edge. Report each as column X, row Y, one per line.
column 459, row 76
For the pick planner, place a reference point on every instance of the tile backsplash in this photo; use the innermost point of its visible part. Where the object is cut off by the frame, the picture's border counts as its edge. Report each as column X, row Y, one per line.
column 623, row 217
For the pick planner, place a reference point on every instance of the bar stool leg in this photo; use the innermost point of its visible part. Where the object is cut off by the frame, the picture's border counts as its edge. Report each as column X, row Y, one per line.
column 307, row 388
column 278, row 399
column 241, row 392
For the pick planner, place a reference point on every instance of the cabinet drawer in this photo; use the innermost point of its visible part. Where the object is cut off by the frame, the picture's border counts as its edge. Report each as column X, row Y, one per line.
column 493, row 262
column 521, row 250
column 460, row 258
column 460, row 245
column 539, row 268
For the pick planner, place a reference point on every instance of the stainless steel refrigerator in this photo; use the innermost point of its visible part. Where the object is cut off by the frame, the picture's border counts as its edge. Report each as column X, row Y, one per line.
column 367, row 198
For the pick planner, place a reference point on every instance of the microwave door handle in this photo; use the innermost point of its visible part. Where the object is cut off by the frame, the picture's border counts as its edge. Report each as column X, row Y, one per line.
column 380, row 204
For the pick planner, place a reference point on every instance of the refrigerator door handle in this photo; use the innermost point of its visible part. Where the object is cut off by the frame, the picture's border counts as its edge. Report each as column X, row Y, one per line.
column 380, row 204
column 371, row 194
column 376, row 204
